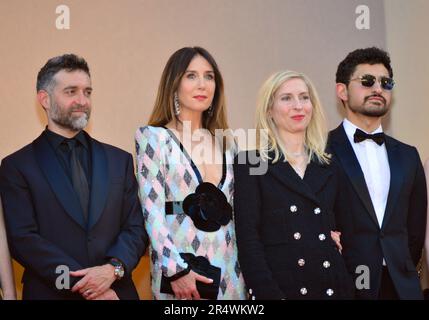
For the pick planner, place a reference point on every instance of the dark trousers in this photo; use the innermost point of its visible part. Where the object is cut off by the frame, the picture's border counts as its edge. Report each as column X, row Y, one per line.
column 387, row 288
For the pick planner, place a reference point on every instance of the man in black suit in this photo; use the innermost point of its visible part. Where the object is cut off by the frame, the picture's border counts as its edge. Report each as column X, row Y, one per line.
column 383, row 214
column 71, row 202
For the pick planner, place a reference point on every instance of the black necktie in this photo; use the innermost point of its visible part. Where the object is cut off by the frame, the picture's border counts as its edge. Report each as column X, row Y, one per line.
column 360, row 136
column 79, row 181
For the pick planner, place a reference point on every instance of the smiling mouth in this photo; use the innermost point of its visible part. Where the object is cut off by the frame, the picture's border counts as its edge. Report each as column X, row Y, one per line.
column 298, row 117
column 79, row 112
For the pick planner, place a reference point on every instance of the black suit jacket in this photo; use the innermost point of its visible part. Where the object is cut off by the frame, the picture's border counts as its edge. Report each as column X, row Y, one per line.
column 401, row 236
column 45, row 222
column 269, row 210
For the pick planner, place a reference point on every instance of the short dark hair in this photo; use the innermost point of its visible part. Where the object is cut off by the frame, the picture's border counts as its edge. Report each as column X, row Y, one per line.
column 69, row 62
column 370, row 56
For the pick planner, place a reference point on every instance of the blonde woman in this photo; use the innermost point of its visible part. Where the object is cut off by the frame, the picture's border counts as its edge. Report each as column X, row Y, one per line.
column 186, row 197
column 285, row 217
column 7, row 284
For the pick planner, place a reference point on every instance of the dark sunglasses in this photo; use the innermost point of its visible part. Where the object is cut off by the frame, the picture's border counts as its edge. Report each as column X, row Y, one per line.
column 368, row 80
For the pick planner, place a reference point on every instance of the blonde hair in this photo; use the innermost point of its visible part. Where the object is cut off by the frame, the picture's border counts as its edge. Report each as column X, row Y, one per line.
column 267, row 135
column 163, row 110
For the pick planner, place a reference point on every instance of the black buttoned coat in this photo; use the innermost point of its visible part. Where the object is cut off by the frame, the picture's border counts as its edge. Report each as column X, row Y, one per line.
column 283, row 226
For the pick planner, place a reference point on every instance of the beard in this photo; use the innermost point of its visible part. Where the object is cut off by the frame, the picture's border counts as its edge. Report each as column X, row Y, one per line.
column 66, row 119
column 376, row 109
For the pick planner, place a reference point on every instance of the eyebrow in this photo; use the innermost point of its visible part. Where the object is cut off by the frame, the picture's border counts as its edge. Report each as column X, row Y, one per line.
column 210, row 71
column 75, row 87
column 371, row 74
column 289, row 93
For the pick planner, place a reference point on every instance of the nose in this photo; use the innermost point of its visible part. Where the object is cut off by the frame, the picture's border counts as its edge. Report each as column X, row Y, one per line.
column 82, row 99
column 297, row 104
column 201, row 82
column 377, row 87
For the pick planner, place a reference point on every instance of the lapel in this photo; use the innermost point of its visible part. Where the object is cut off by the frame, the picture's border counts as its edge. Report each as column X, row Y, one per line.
column 317, row 175
column 341, row 147
column 57, row 179
column 62, row 187
column 99, row 181
column 396, row 177
column 315, row 178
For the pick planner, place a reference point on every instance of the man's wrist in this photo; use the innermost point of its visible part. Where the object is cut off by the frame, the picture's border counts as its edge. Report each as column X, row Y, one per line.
column 118, row 266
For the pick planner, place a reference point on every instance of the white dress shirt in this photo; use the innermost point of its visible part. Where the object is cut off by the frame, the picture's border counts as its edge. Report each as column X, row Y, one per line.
column 374, row 163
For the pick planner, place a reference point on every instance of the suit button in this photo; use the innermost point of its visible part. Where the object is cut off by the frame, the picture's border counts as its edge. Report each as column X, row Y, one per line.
column 322, row 237
column 329, row 292
column 303, row 291
column 293, row 208
column 297, row 236
column 381, row 234
column 326, row 264
column 301, row 262
column 317, row 211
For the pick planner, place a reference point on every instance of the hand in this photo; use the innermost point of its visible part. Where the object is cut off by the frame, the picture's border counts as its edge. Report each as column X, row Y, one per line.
column 335, row 235
column 95, row 281
column 185, row 288
column 110, row 294
column 9, row 296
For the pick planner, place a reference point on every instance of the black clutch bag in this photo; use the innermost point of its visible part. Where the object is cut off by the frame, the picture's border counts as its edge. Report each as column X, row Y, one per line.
column 203, row 267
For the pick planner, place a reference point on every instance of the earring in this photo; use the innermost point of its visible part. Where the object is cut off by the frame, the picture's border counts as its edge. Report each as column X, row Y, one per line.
column 210, row 111
column 176, row 104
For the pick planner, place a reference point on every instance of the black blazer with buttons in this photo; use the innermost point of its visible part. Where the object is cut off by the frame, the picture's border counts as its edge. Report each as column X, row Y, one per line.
column 283, row 226
column 46, row 225
column 400, row 239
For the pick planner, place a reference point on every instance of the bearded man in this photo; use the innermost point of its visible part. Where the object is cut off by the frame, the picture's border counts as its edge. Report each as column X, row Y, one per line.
column 71, row 207
column 382, row 217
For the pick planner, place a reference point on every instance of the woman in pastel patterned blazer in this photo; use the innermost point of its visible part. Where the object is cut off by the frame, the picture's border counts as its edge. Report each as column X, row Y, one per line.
column 186, row 184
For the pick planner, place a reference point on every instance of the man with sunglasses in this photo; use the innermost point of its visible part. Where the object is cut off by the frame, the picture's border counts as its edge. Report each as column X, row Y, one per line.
column 382, row 206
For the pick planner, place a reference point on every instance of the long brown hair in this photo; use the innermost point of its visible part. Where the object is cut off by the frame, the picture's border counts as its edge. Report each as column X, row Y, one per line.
column 163, row 110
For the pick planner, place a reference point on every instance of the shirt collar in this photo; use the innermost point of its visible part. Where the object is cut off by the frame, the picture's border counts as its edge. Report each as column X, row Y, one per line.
column 350, row 129
column 56, row 139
